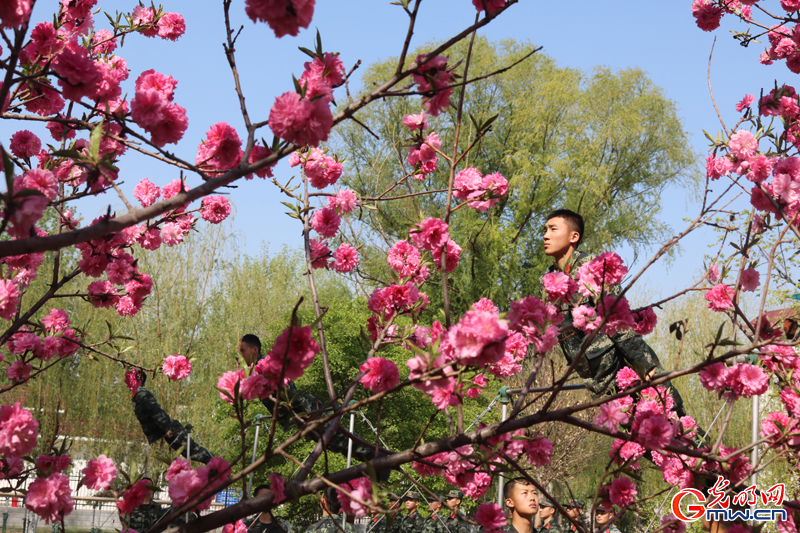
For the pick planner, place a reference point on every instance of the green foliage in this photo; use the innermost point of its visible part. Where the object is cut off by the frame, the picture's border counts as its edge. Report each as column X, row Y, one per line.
column 604, row 143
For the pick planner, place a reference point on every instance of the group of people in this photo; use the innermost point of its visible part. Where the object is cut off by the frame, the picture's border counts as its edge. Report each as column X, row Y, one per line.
column 598, row 364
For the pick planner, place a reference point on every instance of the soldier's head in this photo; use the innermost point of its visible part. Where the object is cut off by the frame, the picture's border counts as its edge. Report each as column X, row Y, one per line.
column 149, row 495
column 521, row 498
column 454, row 498
column 563, row 232
column 546, row 509
column 329, row 501
column 394, row 502
column 603, row 516
column 250, row 348
column 435, row 503
column 261, row 489
column 574, row 508
column 412, row 501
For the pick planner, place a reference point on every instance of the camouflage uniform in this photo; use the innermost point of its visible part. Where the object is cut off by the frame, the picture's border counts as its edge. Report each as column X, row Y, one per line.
column 156, row 423
column 331, row 523
column 303, row 404
column 454, row 522
column 145, row 516
column 551, row 526
column 606, row 355
column 511, row 529
column 413, row 522
column 435, row 522
column 612, row 529
column 254, row 525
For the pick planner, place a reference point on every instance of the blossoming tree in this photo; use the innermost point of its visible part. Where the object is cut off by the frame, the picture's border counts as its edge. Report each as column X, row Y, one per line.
column 69, row 75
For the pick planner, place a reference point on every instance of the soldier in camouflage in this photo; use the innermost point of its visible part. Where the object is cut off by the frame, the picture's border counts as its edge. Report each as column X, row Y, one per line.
column 574, row 510
column 522, row 504
column 455, row 521
column 147, row 514
column 435, row 522
column 303, row 407
column 603, row 517
column 379, row 522
column 413, row 522
column 157, row 424
column 605, row 356
column 331, row 521
column 265, row 522
column 547, row 514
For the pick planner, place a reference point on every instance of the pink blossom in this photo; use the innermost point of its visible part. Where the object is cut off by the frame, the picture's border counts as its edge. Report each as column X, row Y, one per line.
column 539, row 451
column 276, row 486
column 143, row 16
column 717, row 167
column 743, row 145
column 300, row 121
column 176, row 367
column 18, row 430
column 222, row 148
column 257, row 154
column 50, row 498
column 404, row 258
column 171, row 233
column 623, row 492
column 626, row 451
column 583, row 318
column 345, row 201
column 285, row 17
column 558, row 286
column 791, row 400
column 610, row 415
column 326, row 222
column 171, row 26
column 490, row 515
column 719, row 297
column 39, row 179
column 416, row 122
column 448, row 254
column 99, row 473
column 750, row 280
column 652, row 430
column 713, row 273
column 320, row 253
column 57, row 320
column 291, row 355
column 671, row 524
column 745, row 102
column 15, row 13
column 178, row 465
column 479, row 338
column 26, row 211
column 707, row 15
column 746, row 380
column 128, row 305
column 714, row 377
column 25, row 144
column 78, row 75
column 146, row 192
column 321, row 76
column 228, row 382
column 360, row 488
column 215, row 209
column 600, row 273
column 345, row 258
column 238, row 527
column 11, row 467
column 53, row 463
column 430, row 234
column 380, row 374
column 184, row 485
column 617, row 315
column 645, row 321
column 254, row 387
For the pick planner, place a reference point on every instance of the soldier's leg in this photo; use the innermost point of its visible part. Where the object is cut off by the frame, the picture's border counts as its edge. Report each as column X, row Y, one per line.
column 196, row 452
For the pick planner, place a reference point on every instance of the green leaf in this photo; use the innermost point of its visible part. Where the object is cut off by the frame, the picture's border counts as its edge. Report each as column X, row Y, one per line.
column 95, row 138
column 306, row 51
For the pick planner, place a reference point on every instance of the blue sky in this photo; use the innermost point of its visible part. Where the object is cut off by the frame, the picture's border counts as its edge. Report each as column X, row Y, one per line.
column 658, row 37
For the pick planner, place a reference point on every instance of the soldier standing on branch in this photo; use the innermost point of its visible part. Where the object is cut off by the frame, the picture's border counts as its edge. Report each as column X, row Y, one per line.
column 547, row 513
column 522, row 503
column 303, row 402
column 156, row 423
column 331, row 519
column 413, row 522
column 605, row 356
column 265, row 522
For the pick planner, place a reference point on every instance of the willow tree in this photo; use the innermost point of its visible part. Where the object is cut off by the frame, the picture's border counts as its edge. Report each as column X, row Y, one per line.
column 605, row 143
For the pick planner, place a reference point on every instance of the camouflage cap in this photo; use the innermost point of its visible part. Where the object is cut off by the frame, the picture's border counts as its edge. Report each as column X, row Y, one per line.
column 439, row 497
column 544, row 502
column 455, row 494
column 412, row 496
column 393, row 497
column 576, row 503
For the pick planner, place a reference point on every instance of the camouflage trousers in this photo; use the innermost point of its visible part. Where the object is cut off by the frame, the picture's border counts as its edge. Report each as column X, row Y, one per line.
column 196, row 452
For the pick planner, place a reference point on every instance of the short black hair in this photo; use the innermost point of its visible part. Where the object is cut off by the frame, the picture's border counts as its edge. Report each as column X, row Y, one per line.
column 261, row 487
column 252, row 340
column 332, row 499
column 573, row 219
